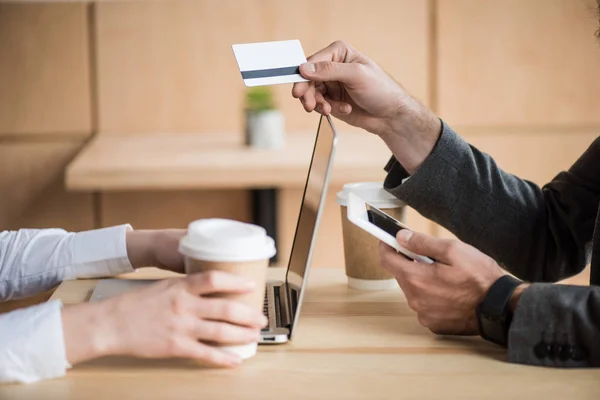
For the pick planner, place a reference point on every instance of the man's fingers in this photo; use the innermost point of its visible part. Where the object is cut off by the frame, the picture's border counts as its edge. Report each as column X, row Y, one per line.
column 322, row 107
column 335, row 63
column 427, row 245
column 299, row 89
column 314, row 98
column 308, row 100
column 218, row 282
column 338, row 51
column 339, row 108
column 396, row 263
column 229, row 311
column 321, row 88
column 329, row 71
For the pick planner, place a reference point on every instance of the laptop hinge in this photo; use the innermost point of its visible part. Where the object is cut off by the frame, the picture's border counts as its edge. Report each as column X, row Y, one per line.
column 284, row 307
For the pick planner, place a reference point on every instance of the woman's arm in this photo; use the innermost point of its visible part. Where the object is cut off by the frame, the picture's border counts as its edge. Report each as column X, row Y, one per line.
column 170, row 318
column 35, row 260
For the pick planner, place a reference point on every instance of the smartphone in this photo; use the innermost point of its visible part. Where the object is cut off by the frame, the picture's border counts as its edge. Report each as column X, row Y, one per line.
column 381, row 225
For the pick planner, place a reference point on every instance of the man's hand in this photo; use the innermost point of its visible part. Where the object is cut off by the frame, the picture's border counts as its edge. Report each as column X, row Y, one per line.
column 155, row 248
column 170, row 318
column 353, row 88
column 445, row 294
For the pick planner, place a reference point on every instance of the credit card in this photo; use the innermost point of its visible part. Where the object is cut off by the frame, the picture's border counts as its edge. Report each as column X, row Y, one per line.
column 270, row 63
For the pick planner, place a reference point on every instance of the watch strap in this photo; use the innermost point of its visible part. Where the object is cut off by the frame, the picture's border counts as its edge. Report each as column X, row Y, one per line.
column 493, row 314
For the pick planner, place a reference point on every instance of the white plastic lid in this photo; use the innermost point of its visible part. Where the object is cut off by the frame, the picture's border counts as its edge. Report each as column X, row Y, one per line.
column 218, row 239
column 244, row 351
column 366, row 284
column 371, row 192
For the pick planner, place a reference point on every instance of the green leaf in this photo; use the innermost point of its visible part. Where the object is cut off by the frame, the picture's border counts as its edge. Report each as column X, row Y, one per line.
column 260, row 98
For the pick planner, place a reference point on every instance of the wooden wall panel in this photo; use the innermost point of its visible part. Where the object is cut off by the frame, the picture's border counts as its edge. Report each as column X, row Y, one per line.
column 31, row 187
column 169, row 67
column 515, row 62
column 535, row 156
column 172, row 209
column 394, row 33
column 55, row 208
column 581, row 279
column 44, row 69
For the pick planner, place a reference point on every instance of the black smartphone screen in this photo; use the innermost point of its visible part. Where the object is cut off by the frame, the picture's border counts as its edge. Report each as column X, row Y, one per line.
column 383, row 221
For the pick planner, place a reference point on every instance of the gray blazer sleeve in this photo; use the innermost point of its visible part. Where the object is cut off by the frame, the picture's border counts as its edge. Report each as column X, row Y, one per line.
column 538, row 234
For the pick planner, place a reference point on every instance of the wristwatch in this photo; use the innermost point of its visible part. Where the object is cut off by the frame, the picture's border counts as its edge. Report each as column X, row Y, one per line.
column 493, row 314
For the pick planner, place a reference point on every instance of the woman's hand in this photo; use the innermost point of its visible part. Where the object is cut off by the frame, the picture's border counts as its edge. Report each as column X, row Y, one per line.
column 155, row 248
column 170, row 318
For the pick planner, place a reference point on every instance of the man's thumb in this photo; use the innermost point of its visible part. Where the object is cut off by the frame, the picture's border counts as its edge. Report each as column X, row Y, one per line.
column 404, row 236
column 423, row 244
column 327, row 71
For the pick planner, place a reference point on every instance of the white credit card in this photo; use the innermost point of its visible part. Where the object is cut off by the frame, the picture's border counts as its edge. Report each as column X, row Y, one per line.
column 270, row 63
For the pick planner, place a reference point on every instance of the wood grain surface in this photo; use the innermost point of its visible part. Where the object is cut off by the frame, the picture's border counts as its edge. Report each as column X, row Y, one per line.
column 349, row 345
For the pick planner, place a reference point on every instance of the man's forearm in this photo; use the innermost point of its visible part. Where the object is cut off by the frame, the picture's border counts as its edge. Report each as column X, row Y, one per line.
column 412, row 136
column 524, row 228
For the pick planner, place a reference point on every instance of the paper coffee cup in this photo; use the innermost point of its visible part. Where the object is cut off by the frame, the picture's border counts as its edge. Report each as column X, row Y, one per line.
column 361, row 250
column 234, row 247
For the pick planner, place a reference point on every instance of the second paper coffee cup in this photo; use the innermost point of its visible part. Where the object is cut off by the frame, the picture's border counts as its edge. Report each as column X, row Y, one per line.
column 361, row 250
column 235, row 247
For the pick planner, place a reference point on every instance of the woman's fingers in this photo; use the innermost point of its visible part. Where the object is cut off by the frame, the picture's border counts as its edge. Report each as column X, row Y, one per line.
column 224, row 333
column 229, row 311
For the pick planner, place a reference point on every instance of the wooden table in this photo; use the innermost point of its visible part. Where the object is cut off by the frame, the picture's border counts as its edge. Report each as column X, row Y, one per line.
column 349, row 344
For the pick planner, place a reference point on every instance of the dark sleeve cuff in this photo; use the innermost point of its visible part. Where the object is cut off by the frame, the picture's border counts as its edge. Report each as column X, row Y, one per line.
column 395, row 173
column 446, row 152
column 555, row 325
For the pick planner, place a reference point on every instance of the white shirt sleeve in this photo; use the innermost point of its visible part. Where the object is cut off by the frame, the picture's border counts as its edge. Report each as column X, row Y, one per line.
column 33, row 346
column 31, row 261
column 36, row 260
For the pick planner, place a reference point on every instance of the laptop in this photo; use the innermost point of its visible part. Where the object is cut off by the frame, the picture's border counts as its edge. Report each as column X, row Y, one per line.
column 283, row 299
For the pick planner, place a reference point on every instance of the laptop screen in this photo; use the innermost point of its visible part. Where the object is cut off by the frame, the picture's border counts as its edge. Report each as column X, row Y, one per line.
column 310, row 212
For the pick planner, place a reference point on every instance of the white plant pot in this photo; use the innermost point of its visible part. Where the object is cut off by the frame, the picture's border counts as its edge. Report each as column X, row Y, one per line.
column 265, row 129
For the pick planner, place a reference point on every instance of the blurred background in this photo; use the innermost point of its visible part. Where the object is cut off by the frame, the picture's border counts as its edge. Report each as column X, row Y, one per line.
column 517, row 78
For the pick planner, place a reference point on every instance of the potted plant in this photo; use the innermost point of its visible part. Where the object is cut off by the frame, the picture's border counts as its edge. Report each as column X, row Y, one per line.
column 265, row 125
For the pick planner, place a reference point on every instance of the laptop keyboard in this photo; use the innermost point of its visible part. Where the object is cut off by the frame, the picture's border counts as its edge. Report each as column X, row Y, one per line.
column 266, row 310
column 266, row 305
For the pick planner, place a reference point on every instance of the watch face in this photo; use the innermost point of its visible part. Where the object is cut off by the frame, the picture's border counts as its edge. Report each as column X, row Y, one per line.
column 493, row 329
